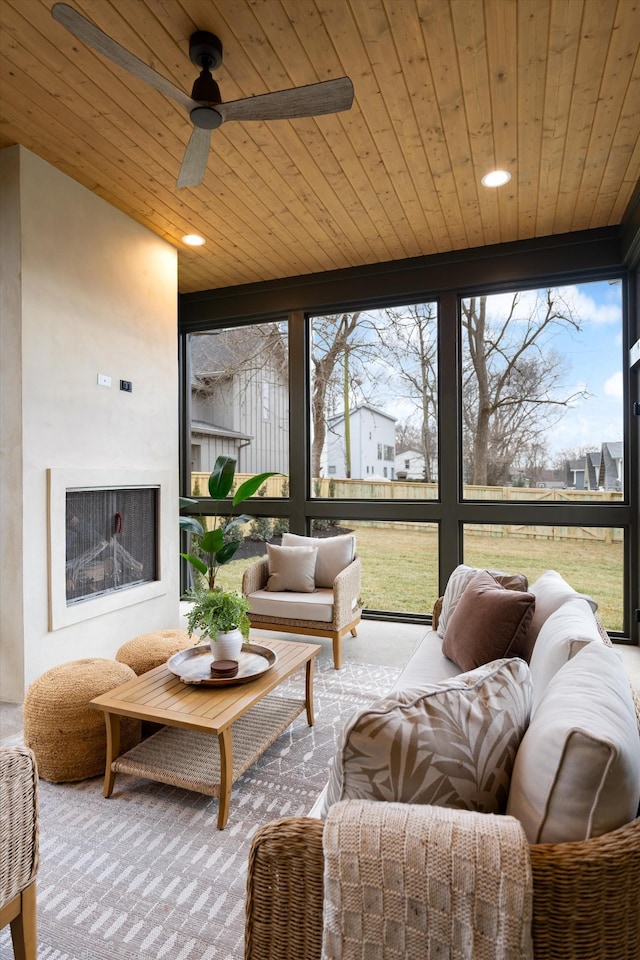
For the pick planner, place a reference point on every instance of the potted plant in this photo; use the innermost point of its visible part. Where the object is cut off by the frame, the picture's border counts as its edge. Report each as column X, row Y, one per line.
column 214, row 546
column 221, row 617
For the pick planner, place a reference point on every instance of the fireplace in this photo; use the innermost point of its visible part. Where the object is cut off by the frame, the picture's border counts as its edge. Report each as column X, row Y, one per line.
column 111, row 540
column 104, row 541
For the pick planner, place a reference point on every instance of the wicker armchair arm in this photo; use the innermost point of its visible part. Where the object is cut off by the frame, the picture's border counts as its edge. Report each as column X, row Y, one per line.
column 18, row 821
column 346, row 589
column 585, row 895
column 255, row 577
column 285, row 891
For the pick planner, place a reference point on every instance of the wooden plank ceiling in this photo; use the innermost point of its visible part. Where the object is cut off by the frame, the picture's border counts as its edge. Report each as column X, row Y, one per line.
column 445, row 90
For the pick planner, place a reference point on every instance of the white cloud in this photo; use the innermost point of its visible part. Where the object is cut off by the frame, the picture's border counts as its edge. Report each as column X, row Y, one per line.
column 613, row 386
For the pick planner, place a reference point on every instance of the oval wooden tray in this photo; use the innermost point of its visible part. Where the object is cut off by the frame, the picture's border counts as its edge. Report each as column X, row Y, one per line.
column 193, row 665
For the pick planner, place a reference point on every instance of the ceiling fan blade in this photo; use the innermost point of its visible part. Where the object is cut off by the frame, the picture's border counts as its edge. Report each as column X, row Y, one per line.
column 328, row 96
column 86, row 31
column 194, row 163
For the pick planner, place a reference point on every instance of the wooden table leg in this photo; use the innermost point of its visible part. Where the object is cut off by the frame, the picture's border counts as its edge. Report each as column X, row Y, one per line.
column 112, row 721
column 309, row 691
column 226, row 775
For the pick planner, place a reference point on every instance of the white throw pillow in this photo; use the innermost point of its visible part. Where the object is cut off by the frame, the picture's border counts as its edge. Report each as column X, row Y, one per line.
column 577, row 772
column 561, row 637
column 334, row 554
column 460, row 579
column 451, row 744
column 551, row 590
column 291, row 568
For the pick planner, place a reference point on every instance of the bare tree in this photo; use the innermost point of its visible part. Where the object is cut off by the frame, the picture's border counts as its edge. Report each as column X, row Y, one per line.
column 513, row 389
column 408, row 436
column 409, row 339
column 340, row 348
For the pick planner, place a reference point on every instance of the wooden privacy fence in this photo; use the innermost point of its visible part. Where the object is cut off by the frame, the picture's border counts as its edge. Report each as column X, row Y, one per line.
column 326, row 488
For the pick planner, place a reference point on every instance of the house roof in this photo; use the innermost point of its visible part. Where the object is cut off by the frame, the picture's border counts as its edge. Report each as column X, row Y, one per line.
column 444, row 92
column 201, row 427
column 357, row 408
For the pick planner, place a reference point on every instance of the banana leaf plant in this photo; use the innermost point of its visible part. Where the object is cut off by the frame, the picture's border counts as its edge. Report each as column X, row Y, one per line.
column 213, row 547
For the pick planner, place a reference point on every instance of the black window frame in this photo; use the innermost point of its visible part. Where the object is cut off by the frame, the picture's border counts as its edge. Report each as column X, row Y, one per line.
column 445, row 279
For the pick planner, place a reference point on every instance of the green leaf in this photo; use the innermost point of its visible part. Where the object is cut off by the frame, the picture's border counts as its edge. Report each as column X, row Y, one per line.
column 195, row 562
column 250, row 486
column 221, row 478
column 212, row 541
column 226, row 553
column 237, row 521
column 187, row 502
column 191, row 525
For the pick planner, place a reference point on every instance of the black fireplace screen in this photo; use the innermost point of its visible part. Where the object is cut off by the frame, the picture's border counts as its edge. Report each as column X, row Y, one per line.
column 111, row 540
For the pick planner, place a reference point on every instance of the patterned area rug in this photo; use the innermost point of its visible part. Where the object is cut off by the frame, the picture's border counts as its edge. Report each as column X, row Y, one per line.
column 147, row 874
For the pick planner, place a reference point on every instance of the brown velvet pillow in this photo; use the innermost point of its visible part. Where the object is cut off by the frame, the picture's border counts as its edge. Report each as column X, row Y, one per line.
column 488, row 623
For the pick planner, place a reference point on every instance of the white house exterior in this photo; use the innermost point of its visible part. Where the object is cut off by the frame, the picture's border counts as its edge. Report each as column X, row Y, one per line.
column 372, row 445
column 410, row 465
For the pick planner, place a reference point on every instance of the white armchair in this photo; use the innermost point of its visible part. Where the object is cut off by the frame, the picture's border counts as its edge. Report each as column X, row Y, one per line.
column 332, row 609
column 19, row 848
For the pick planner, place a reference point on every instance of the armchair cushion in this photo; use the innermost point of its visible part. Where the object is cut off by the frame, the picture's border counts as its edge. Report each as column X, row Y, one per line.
column 449, row 744
column 334, row 554
column 487, row 623
column 458, row 582
column 316, row 606
column 291, row 568
column 577, row 772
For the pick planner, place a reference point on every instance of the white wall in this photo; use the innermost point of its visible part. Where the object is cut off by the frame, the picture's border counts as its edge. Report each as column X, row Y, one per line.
column 91, row 292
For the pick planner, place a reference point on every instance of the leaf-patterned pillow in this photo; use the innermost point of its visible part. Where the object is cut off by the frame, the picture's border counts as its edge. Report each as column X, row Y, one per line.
column 451, row 744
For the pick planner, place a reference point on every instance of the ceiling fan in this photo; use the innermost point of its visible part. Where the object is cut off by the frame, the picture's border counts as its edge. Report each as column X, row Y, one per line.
column 205, row 106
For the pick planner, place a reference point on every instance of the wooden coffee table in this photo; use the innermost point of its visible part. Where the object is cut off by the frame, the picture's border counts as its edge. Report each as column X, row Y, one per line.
column 210, row 735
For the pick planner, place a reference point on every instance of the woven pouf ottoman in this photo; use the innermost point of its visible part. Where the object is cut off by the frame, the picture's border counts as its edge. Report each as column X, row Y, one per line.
column 149, row 650
column 67, row 736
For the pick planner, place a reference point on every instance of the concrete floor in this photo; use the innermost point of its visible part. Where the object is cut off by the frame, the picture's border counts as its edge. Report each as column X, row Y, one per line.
column 378, row 641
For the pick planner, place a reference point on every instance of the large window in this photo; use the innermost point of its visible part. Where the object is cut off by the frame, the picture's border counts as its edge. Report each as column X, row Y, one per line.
column 542, row 405
column 374, row 403
column 461, row 409
column 239, row 396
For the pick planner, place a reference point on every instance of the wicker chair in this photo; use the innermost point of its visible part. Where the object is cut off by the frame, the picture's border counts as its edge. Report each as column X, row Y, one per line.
column 19, row 848
column 585, row 895
column 346, row 609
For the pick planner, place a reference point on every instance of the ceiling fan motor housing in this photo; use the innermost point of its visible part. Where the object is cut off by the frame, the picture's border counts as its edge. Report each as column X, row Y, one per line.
column 205, row 50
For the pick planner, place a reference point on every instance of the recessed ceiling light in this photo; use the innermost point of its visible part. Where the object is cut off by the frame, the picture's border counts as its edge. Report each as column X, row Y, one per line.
column 193, row 240
column 496, row 178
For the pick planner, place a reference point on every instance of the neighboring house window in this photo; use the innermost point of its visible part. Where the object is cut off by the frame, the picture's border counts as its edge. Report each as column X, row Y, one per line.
column 407, row 464
column 332, row 469
column 384, row 471
column 266, row 408
column 379, row 451
column 388, row 453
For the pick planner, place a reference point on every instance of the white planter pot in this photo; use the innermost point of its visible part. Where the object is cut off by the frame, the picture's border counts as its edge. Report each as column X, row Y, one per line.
column 227, row 646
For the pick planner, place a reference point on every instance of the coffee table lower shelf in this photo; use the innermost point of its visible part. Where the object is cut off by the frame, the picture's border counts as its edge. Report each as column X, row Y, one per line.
column 191, row 759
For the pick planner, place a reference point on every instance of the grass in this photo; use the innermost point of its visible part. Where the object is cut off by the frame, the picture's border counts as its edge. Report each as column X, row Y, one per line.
column 400, row 567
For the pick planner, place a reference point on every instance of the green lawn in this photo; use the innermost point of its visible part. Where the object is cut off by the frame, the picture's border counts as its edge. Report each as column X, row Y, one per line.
column 400, row 567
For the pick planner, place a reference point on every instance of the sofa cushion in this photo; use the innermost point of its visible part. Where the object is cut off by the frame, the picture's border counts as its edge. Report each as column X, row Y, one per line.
column 291, row 568
column 293, row 606
column 487, row 623
column 451, row 744
column 334, row 554
column 427, row 665
column 561, row 637
column 551, row 590
column 458, row 582
column 577, row 772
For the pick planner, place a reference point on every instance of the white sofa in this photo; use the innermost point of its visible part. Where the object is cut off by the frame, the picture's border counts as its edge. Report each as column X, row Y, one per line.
column 554, row 743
